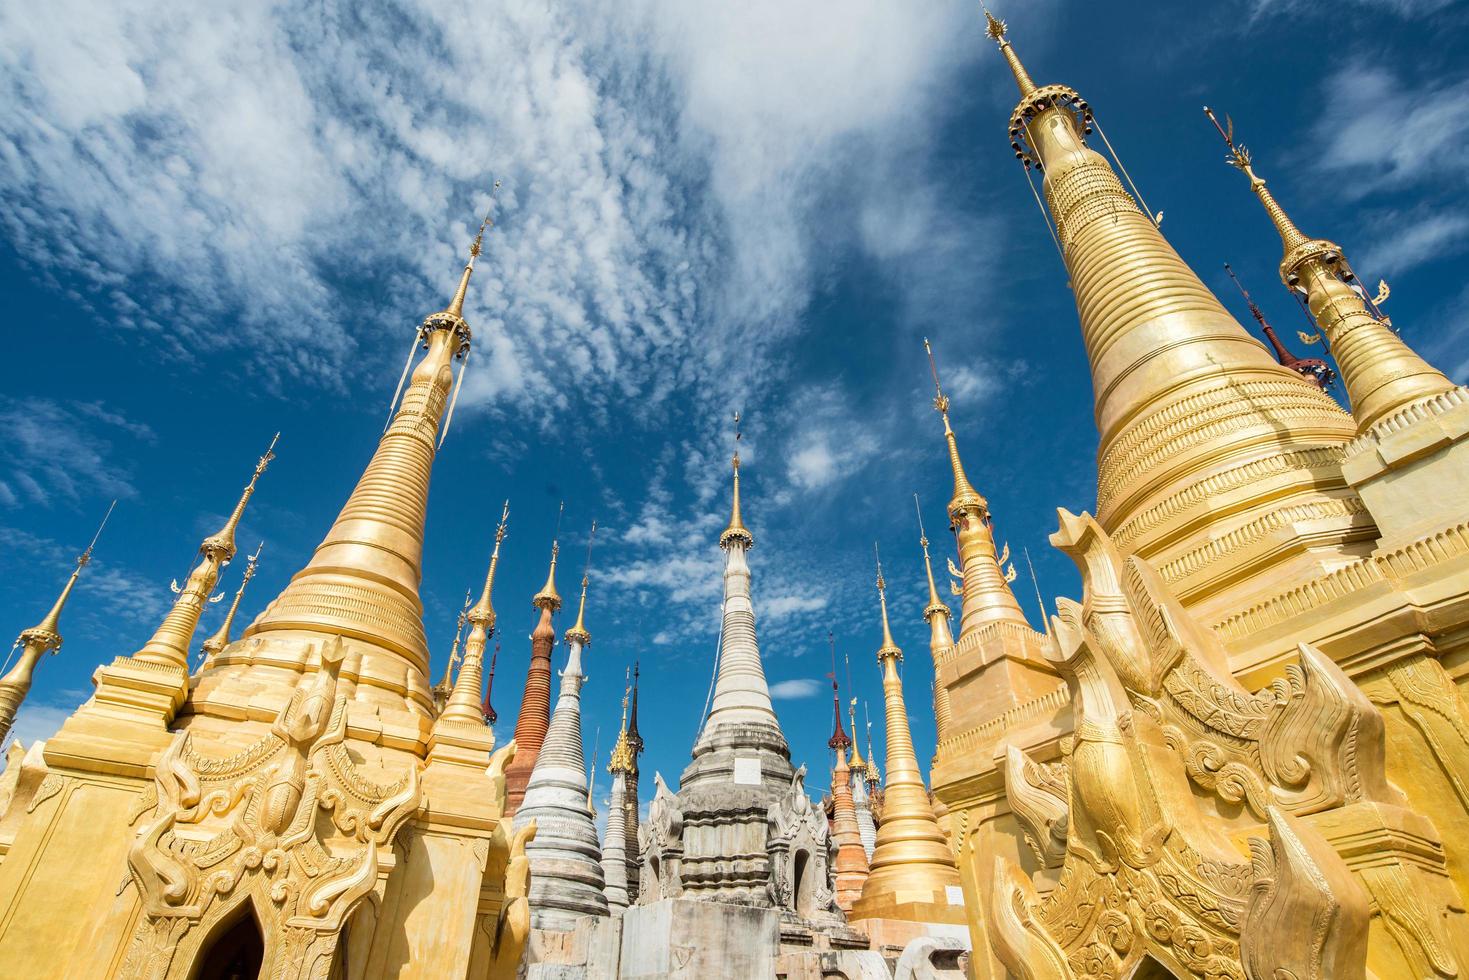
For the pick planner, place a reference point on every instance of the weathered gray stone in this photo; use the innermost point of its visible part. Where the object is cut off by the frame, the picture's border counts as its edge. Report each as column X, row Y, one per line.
column 685, row 938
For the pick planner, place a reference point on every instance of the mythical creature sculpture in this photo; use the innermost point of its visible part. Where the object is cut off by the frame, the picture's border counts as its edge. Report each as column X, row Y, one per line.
column 1145, row 870
column 799, row 846
column 288, row 825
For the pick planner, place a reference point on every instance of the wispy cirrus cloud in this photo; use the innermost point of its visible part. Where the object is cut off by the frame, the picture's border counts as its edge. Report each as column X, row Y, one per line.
column 665, row 166
column 57, row 450
column 795, row 689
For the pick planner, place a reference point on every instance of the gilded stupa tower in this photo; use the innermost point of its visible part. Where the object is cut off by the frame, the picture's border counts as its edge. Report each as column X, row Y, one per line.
column 535, row 700
column 299, row 753
column 565, row 858
column 39, row 640
column 443, row 688
column 1215, row 463
column 912, row 867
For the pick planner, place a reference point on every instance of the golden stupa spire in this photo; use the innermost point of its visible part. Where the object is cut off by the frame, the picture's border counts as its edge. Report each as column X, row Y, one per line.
column 456, row 305
column 362, row 582
column 912, row 861
column 170, row 642
column 856, row 763
column 445, row 687
column 548, row 597
column 996, row 29
column 940, row 636
column 1382, row 375
column 578, row 632
column 987, row 595
column 39, row 640
column 221, row 637
column 736, row 530
column 874, row 775
column 622, row 758
column 465, row 702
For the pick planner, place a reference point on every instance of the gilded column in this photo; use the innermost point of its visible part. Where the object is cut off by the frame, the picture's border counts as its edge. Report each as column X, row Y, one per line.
column 565, row 857
column 912, row 867
column 535, row 701
column 1215, row 462
column 36, row 642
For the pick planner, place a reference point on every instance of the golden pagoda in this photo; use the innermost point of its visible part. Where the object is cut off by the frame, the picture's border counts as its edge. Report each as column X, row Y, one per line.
column 1250, row 722
column 295, row 806
column 912, row 869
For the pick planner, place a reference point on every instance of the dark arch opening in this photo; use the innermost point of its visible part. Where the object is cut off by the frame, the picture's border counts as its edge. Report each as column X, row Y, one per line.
column 236, row 950
column 801, row 890
column 1151, row 969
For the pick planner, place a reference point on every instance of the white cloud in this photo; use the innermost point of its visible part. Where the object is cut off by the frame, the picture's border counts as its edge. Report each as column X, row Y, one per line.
column 669, row 174
column 795, row 689
column 830, row 440
column 1412, row 239
column 63, row 450
column 1402, row 8
column 1381, row 132
column 782, row 607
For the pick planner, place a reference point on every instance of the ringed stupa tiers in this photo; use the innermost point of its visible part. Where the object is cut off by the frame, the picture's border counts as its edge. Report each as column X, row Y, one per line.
column 534, row 718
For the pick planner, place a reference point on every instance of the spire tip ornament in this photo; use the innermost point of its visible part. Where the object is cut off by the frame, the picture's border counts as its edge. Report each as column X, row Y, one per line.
column 736, row 531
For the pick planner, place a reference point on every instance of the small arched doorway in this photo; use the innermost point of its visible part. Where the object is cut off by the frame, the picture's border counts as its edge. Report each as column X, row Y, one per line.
column 235, row 951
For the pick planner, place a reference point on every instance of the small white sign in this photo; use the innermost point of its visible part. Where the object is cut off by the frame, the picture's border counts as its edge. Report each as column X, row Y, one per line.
column 955, row 894
column 747, row 771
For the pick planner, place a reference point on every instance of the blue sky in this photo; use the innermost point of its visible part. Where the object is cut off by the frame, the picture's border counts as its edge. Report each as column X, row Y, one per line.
column 217, row 224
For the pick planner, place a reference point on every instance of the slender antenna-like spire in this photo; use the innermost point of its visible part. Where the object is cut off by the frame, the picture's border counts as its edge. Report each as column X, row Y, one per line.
column 622, row 758
column 39, row 640
column 736, row 530
column 940, row 635
column 466, row 702
column 890, row 648
column 578, row 633
column 856, row 763
column 1035, row 584
column 491, row 715
column 592, row 769
column 966, row 498
column 996, row 29
column 1313, row 369
column 445, row 687
column 839, row 741
column 633, row 736
column 221, row 637
column 170, row 643
column 456, row 305
column 1382, row 374
column 874, row 777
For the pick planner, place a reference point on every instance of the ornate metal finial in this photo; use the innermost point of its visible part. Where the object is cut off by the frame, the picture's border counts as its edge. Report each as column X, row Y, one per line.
column 548, row 597
column 1298, row 247
column 935, row 604
column 222, row 543
column 47, row 633
column 997, row 30
column 578, row 632
column 889, row 647
column 839, row 741
column 994, row 27
column 940, row 400
column 1239, row 154
column 475, row 246
column 736, row 531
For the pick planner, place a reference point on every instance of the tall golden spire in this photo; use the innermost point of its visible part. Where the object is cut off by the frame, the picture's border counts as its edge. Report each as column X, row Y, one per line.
column 221, row 637
column 996, row 30
column 856, row 763
column 987, row 595
column 465, row 702
column 445, row 687
column 736, row 530
column 362, row 582
column 1188, row 405
column 170, row 643
column 578, row 632
column 39, row 640
column 912, row 863
column 940, row 637
column 1382, row 374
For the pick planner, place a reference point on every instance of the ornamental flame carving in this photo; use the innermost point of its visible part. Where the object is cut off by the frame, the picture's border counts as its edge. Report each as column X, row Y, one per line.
column 1146, row 871
column 288, row 826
